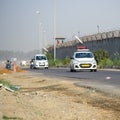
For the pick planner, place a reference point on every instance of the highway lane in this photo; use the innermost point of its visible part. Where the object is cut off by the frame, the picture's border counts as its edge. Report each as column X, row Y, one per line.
column 107, row 80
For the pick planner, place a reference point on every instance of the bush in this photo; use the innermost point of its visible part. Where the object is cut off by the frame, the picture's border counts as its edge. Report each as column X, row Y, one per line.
column 105, row 63
column 49, row 56
column 116, row 59
column 102, row 58
column 108, row 63
column 50, row 59
column 66, row 61
column 57, row 62
column 51, row 62
column 101, row 55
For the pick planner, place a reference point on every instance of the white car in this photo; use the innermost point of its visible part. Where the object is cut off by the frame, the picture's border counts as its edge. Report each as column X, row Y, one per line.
column 39, row 61
column 83, row 60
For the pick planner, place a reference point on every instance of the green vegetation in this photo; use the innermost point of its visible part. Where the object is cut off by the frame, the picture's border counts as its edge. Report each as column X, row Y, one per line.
column 104, row 61
column 4, row 82
column 116, row 59
column 11, row 118
column 7, row 84
column 102, row 57
column 66, row 61
column 57, row 62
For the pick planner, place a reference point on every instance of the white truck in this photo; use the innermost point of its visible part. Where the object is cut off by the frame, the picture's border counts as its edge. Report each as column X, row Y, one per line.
column 83, row 59
column 39, row 61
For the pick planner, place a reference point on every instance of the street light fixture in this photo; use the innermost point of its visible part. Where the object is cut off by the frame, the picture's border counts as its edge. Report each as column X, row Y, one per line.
column 78, row 39
column 38, row 12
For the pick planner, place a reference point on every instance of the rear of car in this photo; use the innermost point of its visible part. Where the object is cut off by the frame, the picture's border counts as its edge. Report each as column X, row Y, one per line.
column 83, row 60
column 39, row 61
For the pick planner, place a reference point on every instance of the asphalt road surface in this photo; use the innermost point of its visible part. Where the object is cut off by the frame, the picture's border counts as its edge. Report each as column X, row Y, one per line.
column 105, row 80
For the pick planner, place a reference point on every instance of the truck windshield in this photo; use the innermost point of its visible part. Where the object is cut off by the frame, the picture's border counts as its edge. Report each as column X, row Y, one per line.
column 83, row 55
column 40, row 57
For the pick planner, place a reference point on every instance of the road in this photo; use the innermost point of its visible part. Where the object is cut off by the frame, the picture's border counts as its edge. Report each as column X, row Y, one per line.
column 105, row 80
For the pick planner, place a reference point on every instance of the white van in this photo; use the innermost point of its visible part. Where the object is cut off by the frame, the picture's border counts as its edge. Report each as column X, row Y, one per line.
column 39, row 61
column 83, row 59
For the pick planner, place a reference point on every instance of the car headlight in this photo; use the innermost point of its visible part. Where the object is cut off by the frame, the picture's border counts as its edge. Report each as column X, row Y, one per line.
column 36, row 63
column 75, row 62
column 94, row 62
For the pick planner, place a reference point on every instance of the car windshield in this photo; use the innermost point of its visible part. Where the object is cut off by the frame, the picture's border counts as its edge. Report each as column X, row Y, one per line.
column 83, row 55
column 41, row 58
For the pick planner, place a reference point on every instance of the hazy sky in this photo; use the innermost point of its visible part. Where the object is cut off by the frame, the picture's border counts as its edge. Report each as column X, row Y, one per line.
column 21, row 28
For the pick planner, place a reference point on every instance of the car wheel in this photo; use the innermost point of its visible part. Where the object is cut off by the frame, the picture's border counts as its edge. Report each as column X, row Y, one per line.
column 32, row 67
column 91, row 70
column 72, row 70
column 95, row 70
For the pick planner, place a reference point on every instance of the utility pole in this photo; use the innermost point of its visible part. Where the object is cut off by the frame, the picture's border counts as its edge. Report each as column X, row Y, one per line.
column 54, row 31
column 39, row 31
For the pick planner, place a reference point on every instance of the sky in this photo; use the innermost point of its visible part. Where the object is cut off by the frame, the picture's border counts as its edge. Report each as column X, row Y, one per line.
column 23, row 28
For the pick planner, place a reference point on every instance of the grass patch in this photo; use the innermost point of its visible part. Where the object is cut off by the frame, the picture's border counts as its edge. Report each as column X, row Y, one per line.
column 4, row 82
column 11, row 118
column 9, row 85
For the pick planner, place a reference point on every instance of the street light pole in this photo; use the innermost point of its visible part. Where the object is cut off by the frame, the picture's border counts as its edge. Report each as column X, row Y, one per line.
column 54, row 31
column 44, row 39
column 39, row 31
column 98, row 27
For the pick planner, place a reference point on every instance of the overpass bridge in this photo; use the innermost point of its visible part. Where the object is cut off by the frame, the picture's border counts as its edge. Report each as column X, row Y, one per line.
column 109, row 41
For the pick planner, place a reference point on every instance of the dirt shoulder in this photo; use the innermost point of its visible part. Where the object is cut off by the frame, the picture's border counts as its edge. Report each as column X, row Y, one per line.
column 44, row 98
